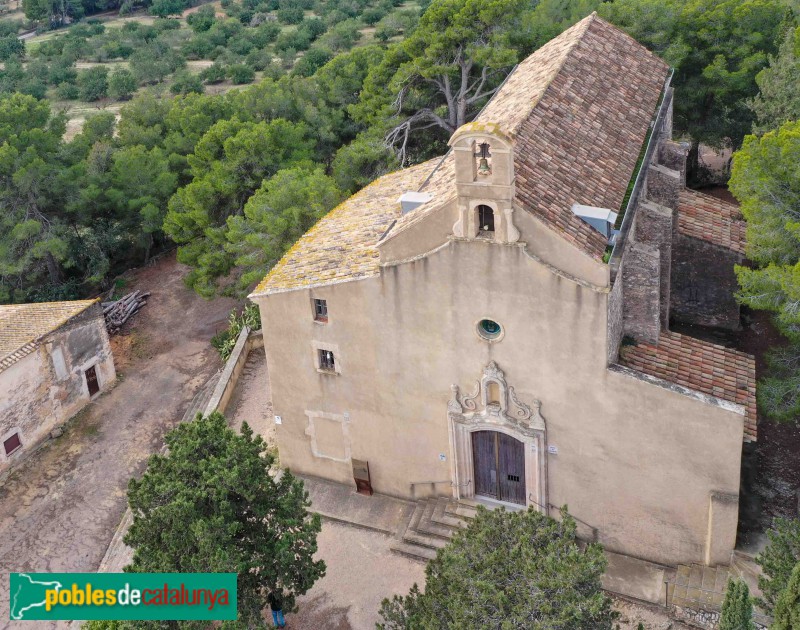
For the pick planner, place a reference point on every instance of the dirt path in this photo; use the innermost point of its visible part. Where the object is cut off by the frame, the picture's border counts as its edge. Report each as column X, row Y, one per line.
column 59, row 510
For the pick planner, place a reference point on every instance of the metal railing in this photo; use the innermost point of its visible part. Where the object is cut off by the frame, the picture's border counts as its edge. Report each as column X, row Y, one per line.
column 595, row 532
column 641, row 176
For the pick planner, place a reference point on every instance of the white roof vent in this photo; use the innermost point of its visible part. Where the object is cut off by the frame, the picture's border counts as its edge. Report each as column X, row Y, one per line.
column 410, row 200
column 601, row 219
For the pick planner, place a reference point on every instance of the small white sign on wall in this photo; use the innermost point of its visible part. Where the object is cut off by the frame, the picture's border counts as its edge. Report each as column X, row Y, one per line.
column 552, row 449
column 278, row 420
column 442, row 457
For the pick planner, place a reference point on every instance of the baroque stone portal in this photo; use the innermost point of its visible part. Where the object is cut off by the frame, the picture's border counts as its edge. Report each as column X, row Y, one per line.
column 494, row 406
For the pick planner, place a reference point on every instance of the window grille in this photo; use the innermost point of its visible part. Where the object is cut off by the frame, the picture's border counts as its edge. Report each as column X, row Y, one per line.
column 326, row 361
column 320, row 310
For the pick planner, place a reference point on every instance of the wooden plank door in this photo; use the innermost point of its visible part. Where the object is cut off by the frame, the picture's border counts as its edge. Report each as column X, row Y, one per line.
column 511, row 466
column 484, row 458
column 91, row 381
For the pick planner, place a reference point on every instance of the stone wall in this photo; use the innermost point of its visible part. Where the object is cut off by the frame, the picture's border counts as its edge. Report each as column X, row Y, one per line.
column 704, row 283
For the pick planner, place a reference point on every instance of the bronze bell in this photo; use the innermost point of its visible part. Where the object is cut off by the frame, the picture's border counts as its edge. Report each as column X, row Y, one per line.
column 483, row 165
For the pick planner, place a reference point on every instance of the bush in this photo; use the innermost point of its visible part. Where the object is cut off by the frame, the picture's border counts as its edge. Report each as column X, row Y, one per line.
column 226, row 340
column 164, row 8
column 122, row 84
column 240, row 74
column 67, row 91
column 294, row 40
column 314, row 59
column 314, row 27
column 373, row 16
column 11, row 46
column 290, row 15
column 186, row 83
column 202, row 19
column 93, row 83
column 215, row 73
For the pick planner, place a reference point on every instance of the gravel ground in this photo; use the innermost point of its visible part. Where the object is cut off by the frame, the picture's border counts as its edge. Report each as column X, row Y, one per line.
column 59, row 509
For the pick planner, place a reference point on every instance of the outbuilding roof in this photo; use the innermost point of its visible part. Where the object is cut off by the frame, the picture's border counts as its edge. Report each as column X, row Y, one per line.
column 577, row 111
column 702, row 366
column 711, row 219
column 21, row 325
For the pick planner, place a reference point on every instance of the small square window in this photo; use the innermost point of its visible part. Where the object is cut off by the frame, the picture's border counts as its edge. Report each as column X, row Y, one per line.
column 326, row 361
column 320, row 310
column 12, row 444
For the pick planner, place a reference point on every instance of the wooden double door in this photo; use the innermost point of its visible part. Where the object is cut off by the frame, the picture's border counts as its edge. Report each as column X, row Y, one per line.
column 499, row 462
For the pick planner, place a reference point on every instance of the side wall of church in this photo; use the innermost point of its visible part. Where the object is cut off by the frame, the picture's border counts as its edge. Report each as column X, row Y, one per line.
column 637, row 462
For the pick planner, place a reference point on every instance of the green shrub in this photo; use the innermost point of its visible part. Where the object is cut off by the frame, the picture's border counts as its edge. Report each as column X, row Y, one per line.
column 67, row 91
column 215, row 73
column 290, row 15
column 186, row 83
column 240, row 74
column 225, row 341
column 93, row 83
column 121, row 84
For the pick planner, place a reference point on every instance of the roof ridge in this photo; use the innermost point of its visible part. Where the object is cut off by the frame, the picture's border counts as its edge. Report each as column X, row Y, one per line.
column 574, row 34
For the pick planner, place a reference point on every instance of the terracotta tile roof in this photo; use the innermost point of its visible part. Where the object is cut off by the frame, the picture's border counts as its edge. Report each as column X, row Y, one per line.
column 581, row 141
column 711, row 219
column 343, row 244
column 702, row 366
column 22, row 324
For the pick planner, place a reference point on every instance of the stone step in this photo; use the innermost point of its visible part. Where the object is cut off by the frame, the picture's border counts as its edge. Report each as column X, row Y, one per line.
column 427, row 526
column 461, row 510
column 414, row 537
column 441, row 517
column 415, row 552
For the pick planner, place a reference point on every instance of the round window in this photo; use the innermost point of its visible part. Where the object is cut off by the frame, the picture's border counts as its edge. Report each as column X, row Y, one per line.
column 489, row 329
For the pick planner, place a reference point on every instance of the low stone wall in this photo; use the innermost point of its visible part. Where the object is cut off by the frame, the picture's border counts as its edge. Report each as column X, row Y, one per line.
column 118, row 554
column 248, row 339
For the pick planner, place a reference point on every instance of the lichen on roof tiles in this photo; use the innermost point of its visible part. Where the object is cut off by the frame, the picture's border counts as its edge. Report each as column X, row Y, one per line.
column 343, row 244
column 21, row 324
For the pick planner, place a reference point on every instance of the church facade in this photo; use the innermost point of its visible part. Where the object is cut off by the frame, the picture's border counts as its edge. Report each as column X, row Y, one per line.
column 494, row 324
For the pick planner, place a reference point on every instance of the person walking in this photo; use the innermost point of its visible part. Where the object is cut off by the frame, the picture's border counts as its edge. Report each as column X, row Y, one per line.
column 275, row 600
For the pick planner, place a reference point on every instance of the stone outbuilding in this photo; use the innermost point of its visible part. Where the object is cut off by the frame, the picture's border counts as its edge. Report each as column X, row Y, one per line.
column 54, row 358
column 493, row 324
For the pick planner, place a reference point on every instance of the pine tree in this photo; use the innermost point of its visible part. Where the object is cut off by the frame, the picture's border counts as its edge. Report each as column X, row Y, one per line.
column 737, row 609
column 777, row 561
column 787, row 610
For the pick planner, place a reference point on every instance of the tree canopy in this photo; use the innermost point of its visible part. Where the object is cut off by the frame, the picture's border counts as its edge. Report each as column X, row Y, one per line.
column 765, row 178
column 778, row 560
column 508, row 570
column 737, row 607
column 211, row 505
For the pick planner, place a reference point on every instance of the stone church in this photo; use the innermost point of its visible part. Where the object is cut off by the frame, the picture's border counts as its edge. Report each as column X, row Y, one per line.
column 494, row 324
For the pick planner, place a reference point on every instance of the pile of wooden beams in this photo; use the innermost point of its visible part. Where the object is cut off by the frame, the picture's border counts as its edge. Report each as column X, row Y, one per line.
column 119, row 312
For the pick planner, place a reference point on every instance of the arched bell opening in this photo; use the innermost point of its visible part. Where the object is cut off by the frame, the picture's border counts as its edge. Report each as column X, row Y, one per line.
column 485, row 221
